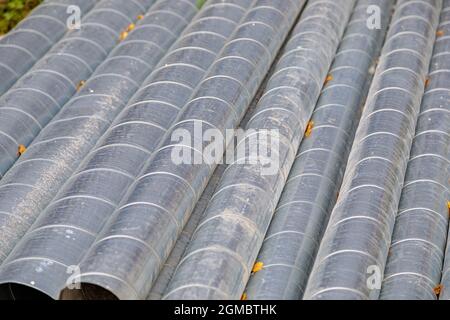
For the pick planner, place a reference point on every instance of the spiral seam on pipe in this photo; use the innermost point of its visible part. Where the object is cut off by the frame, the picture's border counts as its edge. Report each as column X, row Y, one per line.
column 310, row 192
column 356, row 242
column 68, row 138
column 34, row 36
column 226, row 241
column 142, row 227
column 40, row 94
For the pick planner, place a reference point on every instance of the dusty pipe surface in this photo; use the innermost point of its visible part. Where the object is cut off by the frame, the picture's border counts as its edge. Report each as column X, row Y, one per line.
column 55, row 154
column 444, row 97
column 354, row 249
column 166, row 274
column 219, row 259
column 160, row 286
column 413, row 269
column 23, row 46
column 88, row 198
column 128, row 255
column 38, row 96
column 16, row 215
column 292, row 241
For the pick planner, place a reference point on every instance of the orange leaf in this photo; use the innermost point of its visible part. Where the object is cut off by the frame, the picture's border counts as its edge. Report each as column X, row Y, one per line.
column 80, row 85
column 123, row 35
column 21, row 149
column 131, row 27
column 309, row 128
column 438, row 289
column 448, row 206
column 257, row 267
column 328, row 79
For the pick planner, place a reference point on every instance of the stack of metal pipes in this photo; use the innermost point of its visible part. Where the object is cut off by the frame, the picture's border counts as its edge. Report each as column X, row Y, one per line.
column 35, row 35
column 355, row 246
column 36, row 97
column 336, row 187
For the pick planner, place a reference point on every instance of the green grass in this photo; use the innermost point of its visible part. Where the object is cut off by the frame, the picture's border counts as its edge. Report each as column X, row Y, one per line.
column 13, row 11
column 200, row 4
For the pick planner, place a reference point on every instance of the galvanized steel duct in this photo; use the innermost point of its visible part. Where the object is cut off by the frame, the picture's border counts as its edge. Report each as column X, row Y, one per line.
column 34, row 36
column 224, row 246
column 355, row 245
column 414, row 265
column 127, row 257
column 309, row 195
column 442, row 94
column 170, row 265
column 36, row 98
column 37, row 176
column 177, row 253
column 72, row 220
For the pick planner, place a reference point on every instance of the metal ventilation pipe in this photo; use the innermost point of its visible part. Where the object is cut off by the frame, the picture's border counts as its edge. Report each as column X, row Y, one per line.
column 177, row 253
column 219, row 259
column 128, row 255
column 30, row 185
column 36, row 98
column 442, row 94
column 414, row 265
column 165, row 275
column 354, row 249
column 73, row 219
column 292, row 241
column 34, row 36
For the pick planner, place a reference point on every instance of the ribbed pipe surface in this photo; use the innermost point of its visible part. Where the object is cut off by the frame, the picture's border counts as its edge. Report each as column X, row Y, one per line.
column 55, row 154
column 354, row 249
column 177, row 253
column 34, row 36
column 413, row 269
column 91, row 195
column 424, row 210
column 309, row 195
column 36, row 98
column 166, row 274
column 131, row 250
column 224, row 246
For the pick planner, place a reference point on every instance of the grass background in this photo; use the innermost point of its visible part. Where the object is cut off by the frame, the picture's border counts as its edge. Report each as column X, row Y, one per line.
column 12, row 11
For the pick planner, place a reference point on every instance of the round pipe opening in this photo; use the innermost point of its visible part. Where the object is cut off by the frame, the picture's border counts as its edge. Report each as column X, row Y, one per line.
column 87, row 291
column 15, row 291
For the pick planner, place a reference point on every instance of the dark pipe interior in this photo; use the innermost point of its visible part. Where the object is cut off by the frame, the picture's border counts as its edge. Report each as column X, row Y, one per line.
column 13, row 291
column 87, row 292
